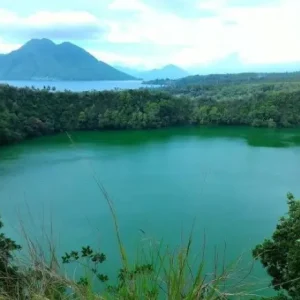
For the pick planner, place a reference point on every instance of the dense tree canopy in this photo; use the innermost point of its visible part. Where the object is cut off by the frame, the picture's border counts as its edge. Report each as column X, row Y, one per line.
column 26, row 112
column 220, row 79
column 229, row 92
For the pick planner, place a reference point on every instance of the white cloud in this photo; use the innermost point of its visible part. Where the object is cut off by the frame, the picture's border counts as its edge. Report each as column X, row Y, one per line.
column 213, row 5
column 267, row 34
column 257, row 33
column 62, row 24
column 7, row 47
column 45, row 18
column 7, row 17
column 115, row 58
column 128, row 5
column 201, row 40
column 139, row 61
column 151, row 26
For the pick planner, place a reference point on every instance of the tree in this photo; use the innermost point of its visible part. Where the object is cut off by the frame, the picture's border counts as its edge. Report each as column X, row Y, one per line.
column 82, row 119
column 280, row 255
column 271, row 123
column 9, row 275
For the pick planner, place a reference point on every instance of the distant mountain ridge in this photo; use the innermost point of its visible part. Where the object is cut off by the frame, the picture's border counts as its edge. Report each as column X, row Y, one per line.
column 233, row 64
column 225, row 79
column 42, row 59
column 168, row 71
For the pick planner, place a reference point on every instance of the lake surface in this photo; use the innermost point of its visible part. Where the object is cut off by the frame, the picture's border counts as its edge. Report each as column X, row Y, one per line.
column 79, row 86
column 232, row 182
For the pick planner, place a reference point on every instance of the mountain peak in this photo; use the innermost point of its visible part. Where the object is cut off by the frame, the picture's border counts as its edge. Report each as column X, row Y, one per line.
column 70, row 47
column 169, row 71
column 67, row 44
column 38, row 42
column 171, row 67
column 43, row 59
column 37, row 45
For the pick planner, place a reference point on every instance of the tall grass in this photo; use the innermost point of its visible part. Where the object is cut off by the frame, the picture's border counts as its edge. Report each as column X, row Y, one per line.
column 157, row 272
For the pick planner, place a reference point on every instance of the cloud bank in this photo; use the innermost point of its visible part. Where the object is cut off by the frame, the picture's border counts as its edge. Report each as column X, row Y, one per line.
column 147, row 33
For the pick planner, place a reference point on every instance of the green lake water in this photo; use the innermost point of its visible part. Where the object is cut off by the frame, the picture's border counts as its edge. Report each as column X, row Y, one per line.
column 232, row 182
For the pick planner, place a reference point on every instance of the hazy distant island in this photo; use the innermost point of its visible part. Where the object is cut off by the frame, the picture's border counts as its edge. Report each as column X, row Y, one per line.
column 167, row 72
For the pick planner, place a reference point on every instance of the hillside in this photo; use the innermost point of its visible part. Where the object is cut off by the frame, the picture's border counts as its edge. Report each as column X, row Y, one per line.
column 233, row 64
column 168, row 71
column 41, row 59
column 221, row 79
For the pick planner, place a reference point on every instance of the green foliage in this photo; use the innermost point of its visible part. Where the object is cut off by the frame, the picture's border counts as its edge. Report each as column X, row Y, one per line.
column 10, row 278
column 228, row 79
column 24, row 282
column 278, row 297
column 91, row 263
column 231, row 92
column 160, row 274
column 26, row 113
column 280, row 255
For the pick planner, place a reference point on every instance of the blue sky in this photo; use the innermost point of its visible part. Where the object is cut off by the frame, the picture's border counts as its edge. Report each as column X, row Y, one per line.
column 152, row 33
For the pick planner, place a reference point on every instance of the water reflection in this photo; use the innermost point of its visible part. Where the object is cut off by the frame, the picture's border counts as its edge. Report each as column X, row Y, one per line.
column 255, row 137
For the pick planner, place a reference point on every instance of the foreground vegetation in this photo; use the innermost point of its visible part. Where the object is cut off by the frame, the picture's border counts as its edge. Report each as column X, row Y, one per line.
column 26, row 112
column 157, row 273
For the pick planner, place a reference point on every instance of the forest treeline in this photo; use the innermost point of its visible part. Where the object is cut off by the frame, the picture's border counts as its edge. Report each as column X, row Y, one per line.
column 229, row 92
column 28, row 112
column 238, row 78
